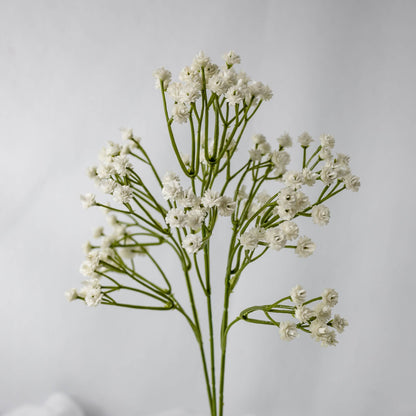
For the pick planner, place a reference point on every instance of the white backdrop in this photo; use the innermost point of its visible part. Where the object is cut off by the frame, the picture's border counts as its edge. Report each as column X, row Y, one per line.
column 73, row 72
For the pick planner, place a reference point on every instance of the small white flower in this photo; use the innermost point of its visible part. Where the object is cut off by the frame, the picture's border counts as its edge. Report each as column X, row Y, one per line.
column 323, row 311
column 260, row 91
column 305, row 139
column 171, row 186
column 275, row 238
column 200, row 61
column 121, row 164
column 305, row 247
column 298, row 295
column 176, row 217
column 92, row 172
column 327, row 141
column 88, row 268
column 187, row 198
column 250, row 239
column 71, row 294
column 264, row 148
column 231, row 58
column 339, row 323
column 303, row 314
column 194, row 218
column 302, row 201
column 330, row 297
column 233, row 95
column 342, row 159
column 328, row 175
column 93, row 296
column 352, row 183
column 88, row 200
column 318, row 329
column 122, row 194
column 293, row 179
column 217, row 85
column 280, row 159
column 285, row 212
column 162, row 75
column 285, row 140
column 180, row 113
column 321, row 333
column 107, row 185
column 192, row 243
column 325, row 153
column 186, row 159
column 287, row 197
column 189, row 75
column 170, row 177
column 111, row 219
column 258, row 138
column 86, row 247
column 126, row 134
column 107, row 241
column 329, row 339
column 98, row 232
column 174, row 91
column 255, row 154
column 320, row 214
column 309, row 177
column 210, row 198
column 105, row 171
column 341, row 170
column 290, row 230
column 226, row 206
column 288, row 331
column 189, row 93
column 112, row 149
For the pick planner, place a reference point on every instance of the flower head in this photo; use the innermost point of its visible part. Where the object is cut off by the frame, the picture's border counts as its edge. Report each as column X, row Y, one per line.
column 192, row 243
column 320, row 214
column 88, row 200
column 122, row 194
column 288, row 331
column 231, row 58
column 305, row 139
column 162, row 76
column 298, row 295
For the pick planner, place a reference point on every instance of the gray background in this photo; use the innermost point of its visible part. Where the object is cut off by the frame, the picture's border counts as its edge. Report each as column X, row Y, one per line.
column 73, row 72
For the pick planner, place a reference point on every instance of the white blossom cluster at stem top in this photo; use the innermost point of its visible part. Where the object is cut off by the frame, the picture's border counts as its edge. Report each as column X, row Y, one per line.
column 235, row 87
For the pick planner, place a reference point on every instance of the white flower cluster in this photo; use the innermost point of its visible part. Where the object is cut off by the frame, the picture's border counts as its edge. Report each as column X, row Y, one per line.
column 114, row 165
column 190, row 211
column 317, row 321
column 235, row 87
column 336, row 168
column 98, row 256
column 290, row 201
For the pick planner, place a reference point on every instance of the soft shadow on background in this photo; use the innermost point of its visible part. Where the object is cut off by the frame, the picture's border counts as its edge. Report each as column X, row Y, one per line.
column 73, row 72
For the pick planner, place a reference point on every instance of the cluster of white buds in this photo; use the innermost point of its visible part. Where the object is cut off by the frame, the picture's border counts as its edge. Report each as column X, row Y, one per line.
column 203, row 75
column 190, row 210
column 100, row 258
column 317, row 321
column 290, row 202
column 110, row 175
